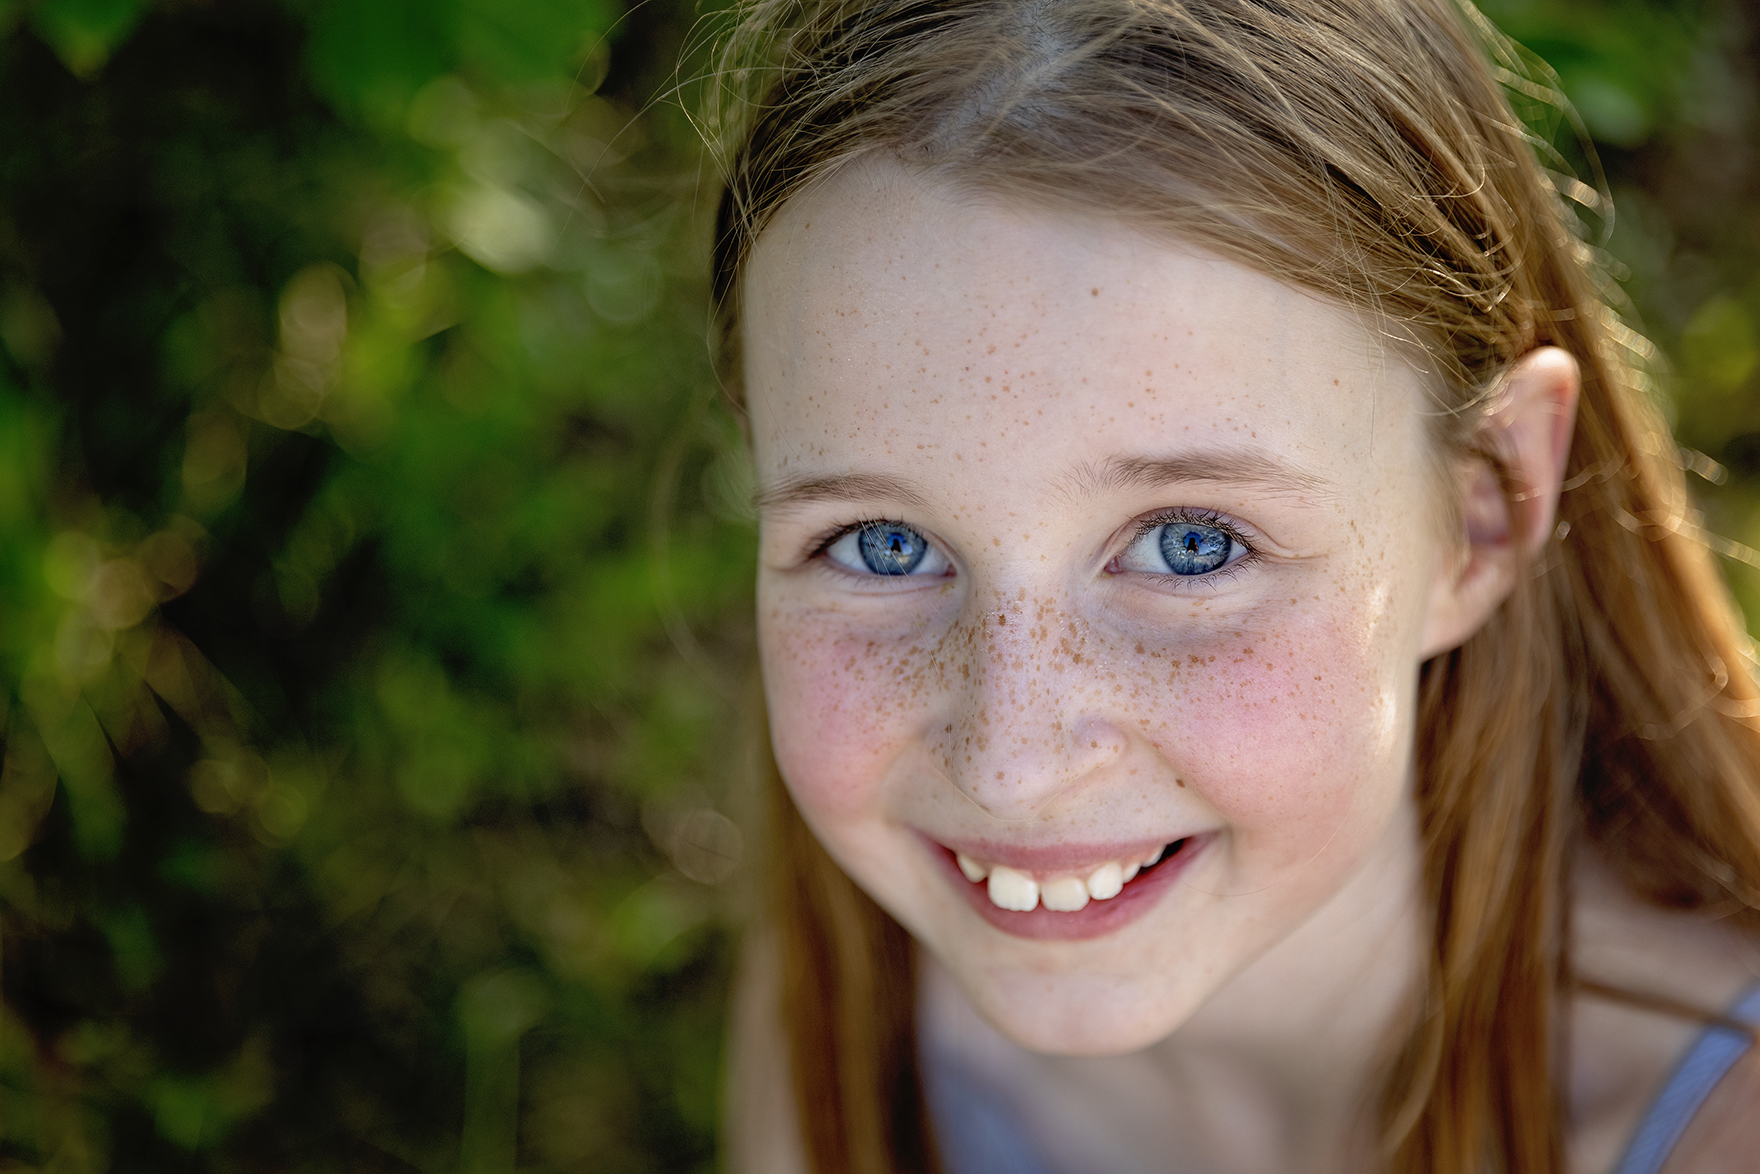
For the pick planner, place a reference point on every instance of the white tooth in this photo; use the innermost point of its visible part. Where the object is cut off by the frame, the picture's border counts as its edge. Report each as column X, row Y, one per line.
column 974, row 871
column 1154, row 856
column 1066, row 894
column 1013, row 890
column 1130, row 870
column 1105, row 882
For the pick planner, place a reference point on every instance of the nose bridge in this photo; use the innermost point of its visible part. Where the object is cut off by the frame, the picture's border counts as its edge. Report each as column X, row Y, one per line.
column 1021, row 726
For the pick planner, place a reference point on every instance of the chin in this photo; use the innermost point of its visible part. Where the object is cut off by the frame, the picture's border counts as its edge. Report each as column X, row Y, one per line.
column 1062, row 1015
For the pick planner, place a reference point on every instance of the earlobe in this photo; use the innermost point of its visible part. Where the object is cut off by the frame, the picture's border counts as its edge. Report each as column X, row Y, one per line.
column 1529, row 434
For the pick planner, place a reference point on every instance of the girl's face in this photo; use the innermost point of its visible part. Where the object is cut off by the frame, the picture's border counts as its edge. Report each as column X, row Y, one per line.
column 1079, row 550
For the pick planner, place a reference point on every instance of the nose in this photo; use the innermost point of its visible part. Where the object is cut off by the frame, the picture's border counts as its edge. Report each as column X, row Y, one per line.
column 1025, row 723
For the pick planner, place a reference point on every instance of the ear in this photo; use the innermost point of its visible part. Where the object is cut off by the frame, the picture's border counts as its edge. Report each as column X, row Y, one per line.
column 1530, row 432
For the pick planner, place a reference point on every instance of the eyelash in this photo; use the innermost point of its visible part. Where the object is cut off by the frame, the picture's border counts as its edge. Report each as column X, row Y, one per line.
column 825, row 542
column 1196, row 517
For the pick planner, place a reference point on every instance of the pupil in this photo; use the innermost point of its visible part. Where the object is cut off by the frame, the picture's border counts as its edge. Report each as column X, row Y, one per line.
column 891, row 550
column 1192, row 549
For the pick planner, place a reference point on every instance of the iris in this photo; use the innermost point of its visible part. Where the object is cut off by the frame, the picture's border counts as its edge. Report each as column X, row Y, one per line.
column 1191, row 549
column 891, row 549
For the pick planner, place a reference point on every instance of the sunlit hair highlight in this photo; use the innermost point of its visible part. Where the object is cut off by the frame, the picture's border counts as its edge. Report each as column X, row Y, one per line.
column 1365, row 151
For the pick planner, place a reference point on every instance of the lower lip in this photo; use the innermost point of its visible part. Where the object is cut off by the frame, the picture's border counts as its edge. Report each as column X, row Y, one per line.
column 1093, row 920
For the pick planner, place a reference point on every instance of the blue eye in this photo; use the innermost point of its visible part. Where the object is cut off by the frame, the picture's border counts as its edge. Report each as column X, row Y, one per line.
column 886, row 548
column 1193, row 550
column 1187, row 549
column 890, row 549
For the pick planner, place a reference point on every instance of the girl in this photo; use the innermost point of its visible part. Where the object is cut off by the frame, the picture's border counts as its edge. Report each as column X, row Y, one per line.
column 1244, row 688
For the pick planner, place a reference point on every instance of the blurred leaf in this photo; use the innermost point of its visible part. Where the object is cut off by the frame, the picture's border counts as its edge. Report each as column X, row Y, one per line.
column 1614, row 115
column 84, row 33
column 1719, row 344
column 535, row 41
column 496, row 1009
column 371, row 57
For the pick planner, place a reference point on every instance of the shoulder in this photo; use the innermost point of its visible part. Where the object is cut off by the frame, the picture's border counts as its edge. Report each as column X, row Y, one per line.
column 1623, row 1050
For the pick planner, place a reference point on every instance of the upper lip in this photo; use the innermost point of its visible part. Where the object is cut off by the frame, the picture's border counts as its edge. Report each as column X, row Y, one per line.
column 1052, row 858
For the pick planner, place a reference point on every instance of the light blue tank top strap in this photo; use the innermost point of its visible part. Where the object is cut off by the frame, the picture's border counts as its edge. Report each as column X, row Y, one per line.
column 1712, row 1055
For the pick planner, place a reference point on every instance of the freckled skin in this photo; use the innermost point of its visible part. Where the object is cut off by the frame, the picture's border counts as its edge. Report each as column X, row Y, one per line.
column 991, row 359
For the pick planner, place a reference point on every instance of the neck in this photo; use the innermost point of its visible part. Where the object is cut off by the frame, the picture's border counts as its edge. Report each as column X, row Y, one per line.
column 1301, row 1038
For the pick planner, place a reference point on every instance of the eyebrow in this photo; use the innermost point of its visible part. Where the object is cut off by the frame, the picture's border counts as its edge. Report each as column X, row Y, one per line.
column 1236, row 466
column 1231, row 466
column 798, row 491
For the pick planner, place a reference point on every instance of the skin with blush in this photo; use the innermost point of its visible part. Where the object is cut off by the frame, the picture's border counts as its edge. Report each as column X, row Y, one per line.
column 1082, row 548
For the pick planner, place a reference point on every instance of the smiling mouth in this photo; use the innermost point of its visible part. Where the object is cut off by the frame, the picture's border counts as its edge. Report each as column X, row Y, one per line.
column 1021, row 892
column 1040, row 885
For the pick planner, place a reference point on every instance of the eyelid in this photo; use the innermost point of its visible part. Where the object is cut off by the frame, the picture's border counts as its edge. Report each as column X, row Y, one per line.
column 821, row 548
column 817, row 547
column 1198, row 516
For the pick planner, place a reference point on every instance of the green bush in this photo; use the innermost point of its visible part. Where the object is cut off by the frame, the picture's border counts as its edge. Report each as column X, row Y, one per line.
column 358, row 804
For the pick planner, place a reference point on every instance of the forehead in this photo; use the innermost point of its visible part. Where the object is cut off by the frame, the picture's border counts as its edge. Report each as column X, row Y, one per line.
column 891, row 319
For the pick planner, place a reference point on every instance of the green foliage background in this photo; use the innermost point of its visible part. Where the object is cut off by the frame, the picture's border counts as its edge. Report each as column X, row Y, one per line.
column 374, row 566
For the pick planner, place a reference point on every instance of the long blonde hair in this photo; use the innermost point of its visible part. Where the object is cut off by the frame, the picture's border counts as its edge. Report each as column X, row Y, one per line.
column 1362, row 149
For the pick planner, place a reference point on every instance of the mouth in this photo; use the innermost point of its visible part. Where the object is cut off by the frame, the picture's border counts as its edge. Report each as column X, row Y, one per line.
column 1064, row 894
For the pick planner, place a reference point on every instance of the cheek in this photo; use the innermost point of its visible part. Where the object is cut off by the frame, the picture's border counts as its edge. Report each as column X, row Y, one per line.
column 839, row 708
column 1282, row 731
